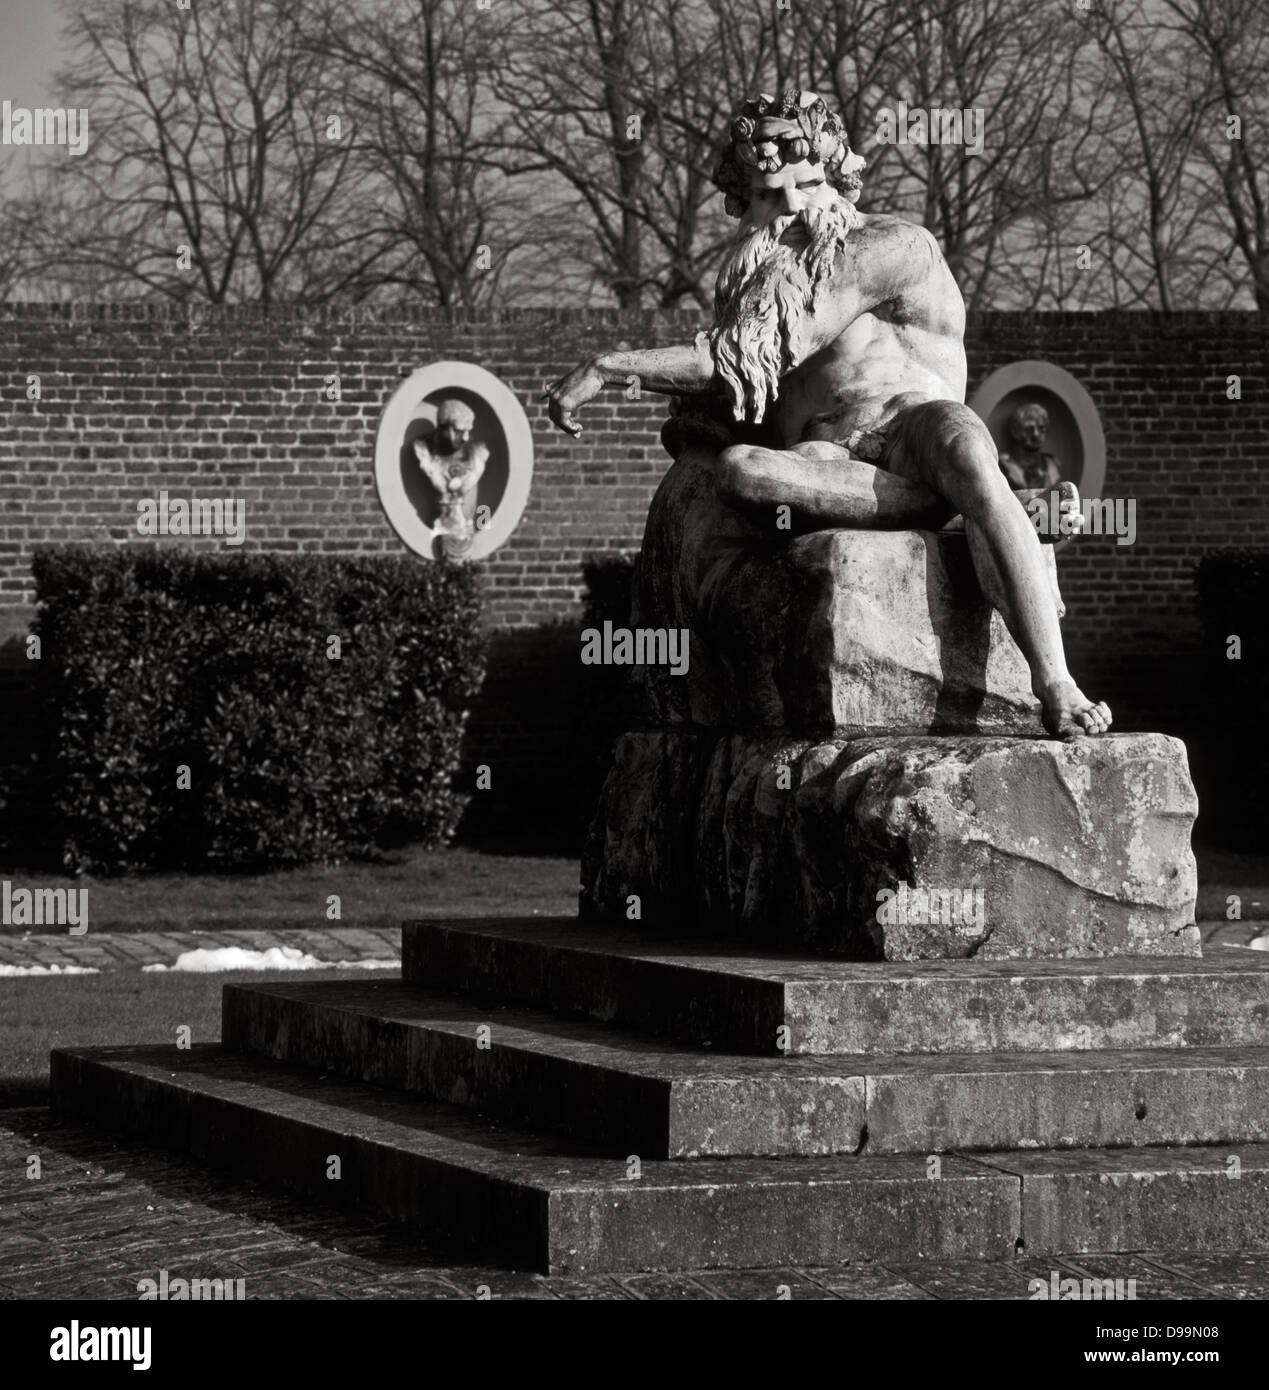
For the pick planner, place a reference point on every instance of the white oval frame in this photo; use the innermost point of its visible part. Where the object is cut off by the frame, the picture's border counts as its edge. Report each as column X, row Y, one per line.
column 1017, row 376
column 403, row 406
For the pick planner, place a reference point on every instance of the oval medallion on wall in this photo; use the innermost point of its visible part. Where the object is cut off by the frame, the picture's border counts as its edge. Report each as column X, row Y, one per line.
column 453, row 461
column 1067, row 425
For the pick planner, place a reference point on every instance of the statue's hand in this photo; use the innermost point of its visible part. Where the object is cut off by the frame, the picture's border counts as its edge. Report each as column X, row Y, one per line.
column 570, row 393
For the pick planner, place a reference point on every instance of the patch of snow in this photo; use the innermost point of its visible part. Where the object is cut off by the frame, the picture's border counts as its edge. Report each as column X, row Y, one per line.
column 211, row 959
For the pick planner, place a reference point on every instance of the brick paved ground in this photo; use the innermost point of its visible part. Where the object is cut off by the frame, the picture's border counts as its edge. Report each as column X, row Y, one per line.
column 1231, row 933
column 130, row 950
column 104, row 1214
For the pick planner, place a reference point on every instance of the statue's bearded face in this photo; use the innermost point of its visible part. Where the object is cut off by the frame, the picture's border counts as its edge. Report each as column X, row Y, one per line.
column 784, row 192
column 787, row 241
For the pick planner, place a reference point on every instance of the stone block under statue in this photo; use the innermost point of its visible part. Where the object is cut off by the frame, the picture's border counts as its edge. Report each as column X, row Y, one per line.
column 901, row 848
column 854, row 631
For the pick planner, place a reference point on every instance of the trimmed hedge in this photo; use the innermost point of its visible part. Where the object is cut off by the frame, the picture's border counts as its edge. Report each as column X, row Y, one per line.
column 609, row 581
column 567, row 718
column 1233, row 600
column 152, row 661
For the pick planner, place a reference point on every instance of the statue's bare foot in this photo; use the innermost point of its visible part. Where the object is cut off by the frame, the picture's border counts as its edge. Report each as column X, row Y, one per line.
column 1068, row 713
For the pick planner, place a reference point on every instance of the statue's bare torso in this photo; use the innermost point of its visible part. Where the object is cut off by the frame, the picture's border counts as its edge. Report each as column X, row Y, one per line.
column 903, row 348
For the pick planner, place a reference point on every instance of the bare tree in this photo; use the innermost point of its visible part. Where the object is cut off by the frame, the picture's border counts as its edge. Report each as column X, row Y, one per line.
column 993, row 204
column 1228, row 42
column 617, row 111
column 525, row 150
column 431, row 215
column 571, row 78
column 34, row 217
column 19, row 218
column 1159, row 111
column 717, row 53
column 213, row 164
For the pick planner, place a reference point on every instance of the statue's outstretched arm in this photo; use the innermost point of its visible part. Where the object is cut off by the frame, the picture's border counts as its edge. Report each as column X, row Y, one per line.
column 672, row 371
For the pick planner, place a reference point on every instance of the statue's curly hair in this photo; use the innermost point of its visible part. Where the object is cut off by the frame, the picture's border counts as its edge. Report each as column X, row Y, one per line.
column 823, row 137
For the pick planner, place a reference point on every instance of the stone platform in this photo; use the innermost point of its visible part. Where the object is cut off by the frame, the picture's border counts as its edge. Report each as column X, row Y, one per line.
column 569, row 1101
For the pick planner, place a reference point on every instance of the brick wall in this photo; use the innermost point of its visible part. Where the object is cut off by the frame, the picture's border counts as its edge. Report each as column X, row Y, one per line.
column 135, row 399
column 138, row 398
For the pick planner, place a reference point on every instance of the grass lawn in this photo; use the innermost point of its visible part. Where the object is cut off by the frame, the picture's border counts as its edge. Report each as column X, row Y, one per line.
column 414, row 883
column 113, row 1010
column 428, row 883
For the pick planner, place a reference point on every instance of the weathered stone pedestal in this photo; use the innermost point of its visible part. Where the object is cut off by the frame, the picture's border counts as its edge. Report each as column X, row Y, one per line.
column 853, row 762
column 851, row 632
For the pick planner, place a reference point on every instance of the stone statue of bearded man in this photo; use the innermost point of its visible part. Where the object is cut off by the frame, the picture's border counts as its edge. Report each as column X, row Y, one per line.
column 831, row 385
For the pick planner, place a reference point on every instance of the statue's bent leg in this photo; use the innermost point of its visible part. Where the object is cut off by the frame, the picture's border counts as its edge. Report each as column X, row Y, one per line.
column 949, row 449
column 823, row 485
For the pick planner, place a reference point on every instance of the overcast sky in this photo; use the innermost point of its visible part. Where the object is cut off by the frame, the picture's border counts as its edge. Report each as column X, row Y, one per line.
column 28, row 50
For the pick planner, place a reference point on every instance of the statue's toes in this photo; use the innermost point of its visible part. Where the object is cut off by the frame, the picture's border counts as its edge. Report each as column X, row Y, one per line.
column 1095, row 719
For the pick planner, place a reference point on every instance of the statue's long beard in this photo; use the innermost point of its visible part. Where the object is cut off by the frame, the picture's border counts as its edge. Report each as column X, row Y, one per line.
column 764, row 291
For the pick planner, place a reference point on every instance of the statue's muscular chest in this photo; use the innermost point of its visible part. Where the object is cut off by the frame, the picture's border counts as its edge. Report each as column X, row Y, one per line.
column 908, row 344
column 849, row 382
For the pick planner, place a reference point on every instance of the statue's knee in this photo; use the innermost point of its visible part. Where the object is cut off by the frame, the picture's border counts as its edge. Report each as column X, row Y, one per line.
column 951, row 422
column 963, row 444
column 975, row 472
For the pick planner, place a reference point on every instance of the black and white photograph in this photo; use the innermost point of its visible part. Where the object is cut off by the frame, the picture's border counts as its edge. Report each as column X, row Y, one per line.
column 634, row 662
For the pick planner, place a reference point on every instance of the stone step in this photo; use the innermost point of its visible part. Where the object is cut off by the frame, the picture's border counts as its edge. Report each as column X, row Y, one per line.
column 560, row 1206
column 553, row 1205
column 760, row 1001
column 630, row 1094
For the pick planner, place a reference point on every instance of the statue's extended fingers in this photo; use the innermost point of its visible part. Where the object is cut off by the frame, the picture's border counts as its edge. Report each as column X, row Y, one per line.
column 561, row 415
